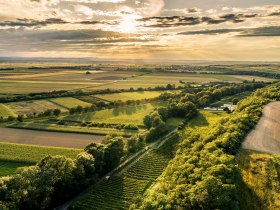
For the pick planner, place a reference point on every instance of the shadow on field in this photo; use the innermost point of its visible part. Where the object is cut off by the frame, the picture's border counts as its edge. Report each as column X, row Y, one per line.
column 128, row 110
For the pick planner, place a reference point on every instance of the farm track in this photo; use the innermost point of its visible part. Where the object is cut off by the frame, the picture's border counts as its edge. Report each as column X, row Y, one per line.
column 266, row 136
column 46, row 138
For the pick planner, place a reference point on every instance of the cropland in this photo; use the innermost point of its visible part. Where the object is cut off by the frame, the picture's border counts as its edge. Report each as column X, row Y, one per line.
column 266, row 136
column 123, row 136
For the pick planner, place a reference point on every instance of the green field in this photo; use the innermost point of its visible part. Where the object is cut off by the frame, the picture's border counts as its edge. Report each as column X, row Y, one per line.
column 9, row 168
column 69, row 102
column 6, row 112
column 121, row 115
column 204, row 119
column 48, row 126
column 30, row 107
column 32, row 154
column 130, row 95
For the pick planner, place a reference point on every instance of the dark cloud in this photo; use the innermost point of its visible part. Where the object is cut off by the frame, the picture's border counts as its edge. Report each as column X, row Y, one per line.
column 211, row 32
column 174, row 21
column 192, row 10
column 98, row 22
column 32, row 23
column 262, row 31
column 34, row 40
column 244, row 32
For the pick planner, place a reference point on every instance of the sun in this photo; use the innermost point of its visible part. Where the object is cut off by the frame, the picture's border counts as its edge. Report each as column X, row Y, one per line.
column 127, row 24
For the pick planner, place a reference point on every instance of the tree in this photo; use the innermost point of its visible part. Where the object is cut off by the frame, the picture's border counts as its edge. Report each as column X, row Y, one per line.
column 113, row 152
column 57, row 112
column 234, row 101
column 20, row 118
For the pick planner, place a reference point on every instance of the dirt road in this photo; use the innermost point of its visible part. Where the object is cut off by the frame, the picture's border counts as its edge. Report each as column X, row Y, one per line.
column 45, row 138
column 266, row 136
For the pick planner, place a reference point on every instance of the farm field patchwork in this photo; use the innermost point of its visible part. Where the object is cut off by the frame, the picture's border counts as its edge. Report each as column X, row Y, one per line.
column 5, row 111
column 121, row 115
column 31, row 107
column 69, row 102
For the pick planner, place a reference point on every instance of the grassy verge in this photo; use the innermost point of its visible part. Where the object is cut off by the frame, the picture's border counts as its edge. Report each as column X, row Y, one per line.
column 259, row 180
column 73, row 129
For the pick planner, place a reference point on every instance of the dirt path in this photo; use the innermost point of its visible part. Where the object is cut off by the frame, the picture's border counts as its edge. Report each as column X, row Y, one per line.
column 266, row 136
column 45, row 138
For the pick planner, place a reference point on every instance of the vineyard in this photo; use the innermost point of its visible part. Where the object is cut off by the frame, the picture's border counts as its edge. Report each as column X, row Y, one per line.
column 32, row 154
column 122, row 189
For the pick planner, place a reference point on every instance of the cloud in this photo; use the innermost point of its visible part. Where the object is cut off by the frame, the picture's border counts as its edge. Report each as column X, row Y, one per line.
column 261, row 31
column 71, row 40
column 210, row 32
column 242, row 32
column 175, row 21
column 32, row 23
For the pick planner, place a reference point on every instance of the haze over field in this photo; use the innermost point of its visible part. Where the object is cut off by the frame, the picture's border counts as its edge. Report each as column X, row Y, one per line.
column 146, row 29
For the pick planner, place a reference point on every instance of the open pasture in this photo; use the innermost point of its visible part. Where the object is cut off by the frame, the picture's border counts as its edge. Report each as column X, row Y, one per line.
column 130, row 95
column 6, row 111
column 122, row 115
column 69, row 102
column 30, row 107
column 9, row 167
column 31, row 153
column 45, row 138
column 203, row 121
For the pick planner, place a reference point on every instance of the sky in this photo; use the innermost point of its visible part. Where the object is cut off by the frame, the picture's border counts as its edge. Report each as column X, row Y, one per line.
column 225, row 30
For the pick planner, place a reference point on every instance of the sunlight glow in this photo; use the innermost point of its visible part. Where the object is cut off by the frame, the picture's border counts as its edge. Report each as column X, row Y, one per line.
column 127, row 24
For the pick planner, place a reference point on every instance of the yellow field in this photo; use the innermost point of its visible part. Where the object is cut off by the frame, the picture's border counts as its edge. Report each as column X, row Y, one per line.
column 5, row 111
column 30, row 107
column 259, row 184
column 69, row 102
column 130, row 95
column 34, row 75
